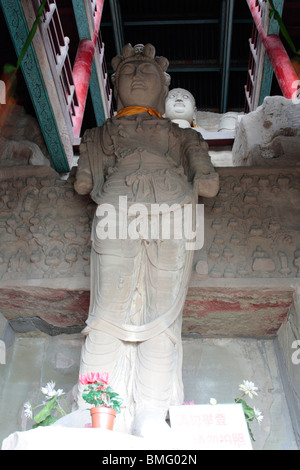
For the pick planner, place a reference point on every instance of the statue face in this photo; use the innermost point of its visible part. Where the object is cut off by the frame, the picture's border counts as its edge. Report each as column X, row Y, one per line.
column 180, row 104
column 139, row 84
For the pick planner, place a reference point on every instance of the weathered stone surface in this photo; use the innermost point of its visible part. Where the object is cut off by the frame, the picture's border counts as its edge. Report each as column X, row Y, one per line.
column 231, row 312
column 252, row 227
column 58, row 307
column 208, row 311
column 256, row 131
column 21, row 139
column 44, row 226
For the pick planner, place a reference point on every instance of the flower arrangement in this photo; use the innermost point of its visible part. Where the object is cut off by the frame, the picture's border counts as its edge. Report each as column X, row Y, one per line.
column 98, row 392
column 248, row 388
column 52, row 409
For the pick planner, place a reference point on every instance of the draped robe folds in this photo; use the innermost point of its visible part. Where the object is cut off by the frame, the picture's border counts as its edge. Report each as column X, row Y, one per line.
column 139, row 286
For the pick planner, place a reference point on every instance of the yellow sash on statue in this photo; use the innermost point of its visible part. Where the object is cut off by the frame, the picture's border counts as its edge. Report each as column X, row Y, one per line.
column 131, row 110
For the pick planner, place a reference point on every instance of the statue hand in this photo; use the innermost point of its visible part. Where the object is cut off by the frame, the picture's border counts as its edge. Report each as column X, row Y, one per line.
column 206, row 185
column 83, row 183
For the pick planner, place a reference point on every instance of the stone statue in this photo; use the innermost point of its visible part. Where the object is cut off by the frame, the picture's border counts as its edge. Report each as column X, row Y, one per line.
column 181, row 108
column 139, row 282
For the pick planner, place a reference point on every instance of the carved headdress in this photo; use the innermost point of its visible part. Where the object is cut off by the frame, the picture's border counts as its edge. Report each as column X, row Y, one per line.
column 139, row 52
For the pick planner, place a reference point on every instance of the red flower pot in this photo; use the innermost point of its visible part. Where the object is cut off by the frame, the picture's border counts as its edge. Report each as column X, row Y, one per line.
column 103, row 417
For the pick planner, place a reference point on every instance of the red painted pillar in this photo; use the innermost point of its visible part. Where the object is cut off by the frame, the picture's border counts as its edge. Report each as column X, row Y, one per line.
column 281, row 63
column 81, row 75
column 83, row 68
column 284, row 71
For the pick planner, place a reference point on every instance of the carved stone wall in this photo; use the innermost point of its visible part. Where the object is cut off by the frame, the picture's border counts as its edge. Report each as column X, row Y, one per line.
column 252, row 227
column 44, row 226
column 243, row 280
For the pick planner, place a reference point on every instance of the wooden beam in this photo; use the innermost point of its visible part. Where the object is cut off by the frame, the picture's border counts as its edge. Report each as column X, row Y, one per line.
column 267, row 77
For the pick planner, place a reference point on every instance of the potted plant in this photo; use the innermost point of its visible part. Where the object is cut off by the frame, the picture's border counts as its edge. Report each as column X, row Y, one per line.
column 248, row 388
column 106, row 403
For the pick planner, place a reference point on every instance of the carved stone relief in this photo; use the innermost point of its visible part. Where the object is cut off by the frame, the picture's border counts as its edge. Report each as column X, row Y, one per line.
column 252, row 227
column 44, row 227
column 251, row 235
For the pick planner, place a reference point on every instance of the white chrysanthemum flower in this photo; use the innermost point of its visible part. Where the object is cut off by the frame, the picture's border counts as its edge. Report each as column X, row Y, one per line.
column 213, row 401
column 27, row 410
column 248, row 388
column 258, row 415
column 50, row 391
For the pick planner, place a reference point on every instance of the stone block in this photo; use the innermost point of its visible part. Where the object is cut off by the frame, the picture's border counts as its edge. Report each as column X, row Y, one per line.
column 255, row 131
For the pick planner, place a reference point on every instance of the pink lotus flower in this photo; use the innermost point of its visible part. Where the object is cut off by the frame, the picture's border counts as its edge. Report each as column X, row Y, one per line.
column 94, row 377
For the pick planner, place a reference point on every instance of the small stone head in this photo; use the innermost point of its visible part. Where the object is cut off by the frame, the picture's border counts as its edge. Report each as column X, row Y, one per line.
column 180, row 104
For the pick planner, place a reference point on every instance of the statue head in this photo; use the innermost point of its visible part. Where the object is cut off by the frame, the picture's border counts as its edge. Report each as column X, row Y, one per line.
column 140, row 77
column 180, row 104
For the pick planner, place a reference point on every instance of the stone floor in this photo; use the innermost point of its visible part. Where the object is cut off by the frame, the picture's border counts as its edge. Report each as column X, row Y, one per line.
column 212, row 368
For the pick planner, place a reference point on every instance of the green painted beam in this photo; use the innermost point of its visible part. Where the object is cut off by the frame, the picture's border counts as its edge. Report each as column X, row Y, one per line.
column 267, row 77
column 84, row 33
column 18, row 30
